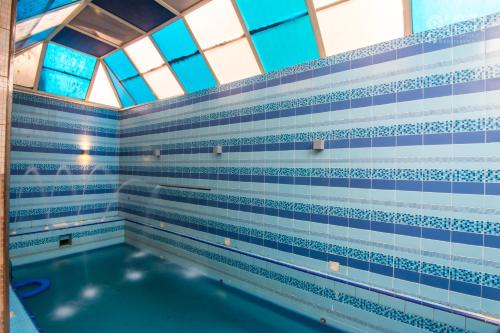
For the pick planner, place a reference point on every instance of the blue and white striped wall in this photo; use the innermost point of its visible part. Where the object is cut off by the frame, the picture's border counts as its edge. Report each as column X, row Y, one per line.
column 405, row 197
column 64, row 177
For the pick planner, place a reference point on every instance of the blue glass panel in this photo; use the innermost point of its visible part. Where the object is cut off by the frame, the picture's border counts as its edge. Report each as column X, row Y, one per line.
column 262, row 13
column 124, row 97
column 286, row 45
column 174, row 41
column 81, row 42
column 34, row 39
column 144, row 14
column 69, row 61
column 30, row 8
column 60, row 3
column 193, row 73
column 430, row 14
column 120, row 64
column 62, row 84
column 139, row 90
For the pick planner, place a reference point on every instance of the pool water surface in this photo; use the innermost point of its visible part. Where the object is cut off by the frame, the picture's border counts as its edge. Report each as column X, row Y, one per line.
column 123, row 289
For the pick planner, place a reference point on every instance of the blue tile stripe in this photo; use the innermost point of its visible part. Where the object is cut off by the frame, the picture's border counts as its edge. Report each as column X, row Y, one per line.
column 437, row 276
column 52, row 169
column 60, row 148
column 39, row 241
column 58, row 127
column 432, row 86
column 23, row 98
column 464, row 131
column 423, row 180
column 382, row 221
column 34, row 214
column 60, row 190
column 459, row 34
column 164, row 236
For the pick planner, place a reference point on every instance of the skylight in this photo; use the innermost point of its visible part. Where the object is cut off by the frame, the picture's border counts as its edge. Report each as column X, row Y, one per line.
column 144, row 55
column 356, row 23
column 220, row 34
column 163, row 83
column 233, row 61
column 66, row 72
column 215, row 23
column 41, row 23
column 155, row 49
column 26, row 66
column 281, row 31
column 102, row 91
column 181, row 51
column 431, row 14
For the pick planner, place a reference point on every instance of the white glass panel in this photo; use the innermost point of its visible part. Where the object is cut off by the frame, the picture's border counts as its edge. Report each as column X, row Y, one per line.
column 23, row 29
column 163, row 83
column 358, row 23
column 26, row 66
column 102, row 91
column 144, row 55
column 54, row 18
column 214, row 23
column 323, row 3
column 233, row 61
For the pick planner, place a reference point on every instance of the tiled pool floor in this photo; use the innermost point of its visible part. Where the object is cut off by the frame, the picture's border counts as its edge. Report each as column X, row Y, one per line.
column 122, row 289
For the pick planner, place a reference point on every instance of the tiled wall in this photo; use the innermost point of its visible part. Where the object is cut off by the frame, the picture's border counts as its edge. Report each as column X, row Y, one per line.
column 6, row 49
column 64, row 176
column 405, row 197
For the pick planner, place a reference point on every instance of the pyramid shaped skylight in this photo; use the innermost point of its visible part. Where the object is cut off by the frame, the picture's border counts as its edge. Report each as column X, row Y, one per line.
column 123, row 53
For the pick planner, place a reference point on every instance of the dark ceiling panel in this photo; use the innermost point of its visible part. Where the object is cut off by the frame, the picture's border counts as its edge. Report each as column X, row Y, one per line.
column 83, row 43
column 99, row 23
column 181, row 5
column 144, row 14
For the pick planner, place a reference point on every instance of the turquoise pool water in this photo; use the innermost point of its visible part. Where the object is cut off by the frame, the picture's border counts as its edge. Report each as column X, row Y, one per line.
column 123, row 289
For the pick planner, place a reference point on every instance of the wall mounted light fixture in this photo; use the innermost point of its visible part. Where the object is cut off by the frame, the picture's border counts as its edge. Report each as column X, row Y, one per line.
column 217, row 150
column 319, row 144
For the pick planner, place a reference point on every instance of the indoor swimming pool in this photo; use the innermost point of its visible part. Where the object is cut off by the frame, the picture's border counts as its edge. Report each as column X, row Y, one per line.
column 123, row 289
column 237, row 166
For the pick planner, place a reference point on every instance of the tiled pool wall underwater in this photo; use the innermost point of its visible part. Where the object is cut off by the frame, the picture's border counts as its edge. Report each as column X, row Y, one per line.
column 405, row 197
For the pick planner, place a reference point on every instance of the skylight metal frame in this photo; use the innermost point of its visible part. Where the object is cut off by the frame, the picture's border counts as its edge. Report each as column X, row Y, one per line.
column 39, row 60
column 166, row 64
column 68, row 19
column 248, row 37
column 98, row 64
column 83, row 32
column 92, row 80
column 39, row 16
column 40, row 65
column 315, row 26
column 407, row 17
column 312, row 11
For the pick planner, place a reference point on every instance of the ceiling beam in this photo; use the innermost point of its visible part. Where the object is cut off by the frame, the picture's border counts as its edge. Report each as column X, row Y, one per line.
column 168, row 65
column 130, row 25
column 407, row 17
column 248, row 37
column 70, row 17
column 92, row 80
column 83, row 32
column 168, row 7
column 101, row 63
column 202, row 52
column 40, row 65
column 336, row 3
column 315, row 25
